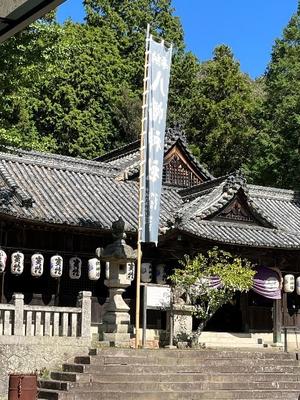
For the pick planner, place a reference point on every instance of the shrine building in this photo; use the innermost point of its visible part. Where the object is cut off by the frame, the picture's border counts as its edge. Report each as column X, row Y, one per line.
column 63, row 208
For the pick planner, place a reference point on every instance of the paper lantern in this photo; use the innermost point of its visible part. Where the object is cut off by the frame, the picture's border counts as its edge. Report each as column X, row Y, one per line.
column 289, row 283
column 146, row 273
column 37, row 265
column 161, row 275
column 130, row 271
column 75, row 264
column 298, row 285
column 272, row 283
column 94, row 269
column 17, row 263
column 56, row 266
column 3, row 259
column 107, row 270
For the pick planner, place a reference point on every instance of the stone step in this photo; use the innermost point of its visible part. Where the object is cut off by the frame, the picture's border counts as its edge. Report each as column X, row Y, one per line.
column 69, row 367
column 126, row 387
column 194, row 377
column 172, row 395
column 53, row 384
column 162, row 369
column 70, row 376
column 227, row 344
column 191, row 353
column 49, row 394
column 209, row 362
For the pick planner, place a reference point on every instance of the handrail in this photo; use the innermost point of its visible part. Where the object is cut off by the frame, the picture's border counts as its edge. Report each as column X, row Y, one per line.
column 285, row 329
column 53, row 309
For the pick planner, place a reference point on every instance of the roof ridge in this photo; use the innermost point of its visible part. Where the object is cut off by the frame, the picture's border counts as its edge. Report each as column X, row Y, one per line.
column 243, row 226
column 91, row 167
column 35, row 156
column 201, row 187
column 265, row 190
column 109, row 156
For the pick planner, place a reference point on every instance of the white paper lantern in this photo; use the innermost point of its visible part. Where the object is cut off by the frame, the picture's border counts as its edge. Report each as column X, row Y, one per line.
column 37, row 265
column 146, row 273
column 289, row 283
column 17, row 263
column 3, row 259
column 56, row 266
column 161, row 275
column 94, row 269
column 298, row 285
column 130, row 271
column 75, row 264
column 272, row 283
column 107, row 270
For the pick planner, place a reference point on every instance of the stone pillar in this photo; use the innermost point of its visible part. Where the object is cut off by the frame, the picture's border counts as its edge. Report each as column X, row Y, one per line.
column 277, row 321
column 183, row 320
column 18, row 299
column 84, row 302
column 116, row 319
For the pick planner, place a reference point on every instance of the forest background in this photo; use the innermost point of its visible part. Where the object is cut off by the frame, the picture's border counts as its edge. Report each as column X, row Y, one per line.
column 76, row 89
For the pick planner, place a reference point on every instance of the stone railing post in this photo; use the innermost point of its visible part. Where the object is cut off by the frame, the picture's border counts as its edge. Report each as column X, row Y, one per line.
column 18, row 299
column 85, row 303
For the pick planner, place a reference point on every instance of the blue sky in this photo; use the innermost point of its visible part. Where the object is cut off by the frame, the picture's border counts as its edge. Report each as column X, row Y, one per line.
column 249, row 27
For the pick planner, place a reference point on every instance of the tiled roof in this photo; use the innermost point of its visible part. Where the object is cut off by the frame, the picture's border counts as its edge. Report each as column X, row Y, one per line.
column 247, row 235
column 64, row 190
column 277, row 210
column 127, row 157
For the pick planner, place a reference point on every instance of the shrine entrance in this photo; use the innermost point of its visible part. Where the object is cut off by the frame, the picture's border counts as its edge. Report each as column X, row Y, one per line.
column 228, row 318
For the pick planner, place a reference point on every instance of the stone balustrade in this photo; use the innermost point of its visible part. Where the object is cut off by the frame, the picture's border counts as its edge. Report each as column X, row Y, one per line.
column 18, row 319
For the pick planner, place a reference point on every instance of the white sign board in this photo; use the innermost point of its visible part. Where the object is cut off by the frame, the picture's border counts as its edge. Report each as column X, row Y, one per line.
column 157, row 296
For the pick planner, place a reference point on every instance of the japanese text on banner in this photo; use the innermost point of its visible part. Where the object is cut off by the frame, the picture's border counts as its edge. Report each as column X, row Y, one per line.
column 157, row 98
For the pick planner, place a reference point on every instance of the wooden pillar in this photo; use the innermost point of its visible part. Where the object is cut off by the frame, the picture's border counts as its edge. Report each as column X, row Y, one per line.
column 277, row 320
column 244, row 307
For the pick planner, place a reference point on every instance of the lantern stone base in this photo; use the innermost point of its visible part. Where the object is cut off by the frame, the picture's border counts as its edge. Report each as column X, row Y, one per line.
column 117, row 339
column 117, row 322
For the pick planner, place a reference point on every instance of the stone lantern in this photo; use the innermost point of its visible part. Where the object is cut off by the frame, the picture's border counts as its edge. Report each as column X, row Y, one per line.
column 116, row 318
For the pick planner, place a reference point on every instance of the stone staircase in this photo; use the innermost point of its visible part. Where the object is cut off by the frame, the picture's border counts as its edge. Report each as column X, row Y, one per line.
column 115, row 374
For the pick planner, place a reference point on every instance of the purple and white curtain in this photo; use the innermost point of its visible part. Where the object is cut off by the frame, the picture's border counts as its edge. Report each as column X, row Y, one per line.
column 266, row 282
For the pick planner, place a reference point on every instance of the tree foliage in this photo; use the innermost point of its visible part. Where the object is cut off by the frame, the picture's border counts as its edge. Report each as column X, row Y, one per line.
column 219, row 113
column 277, row 157
column 194, row 277
column 76, row 89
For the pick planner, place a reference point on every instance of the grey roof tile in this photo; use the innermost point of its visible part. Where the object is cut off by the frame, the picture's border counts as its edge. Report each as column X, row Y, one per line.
column 72, row 192
column 235, row 233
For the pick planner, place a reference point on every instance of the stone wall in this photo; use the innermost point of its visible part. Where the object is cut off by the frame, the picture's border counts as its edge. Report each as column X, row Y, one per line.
column 19, row 354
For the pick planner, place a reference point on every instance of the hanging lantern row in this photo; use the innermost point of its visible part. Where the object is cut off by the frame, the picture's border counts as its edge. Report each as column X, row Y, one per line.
column 56, row 265
column 289, row 284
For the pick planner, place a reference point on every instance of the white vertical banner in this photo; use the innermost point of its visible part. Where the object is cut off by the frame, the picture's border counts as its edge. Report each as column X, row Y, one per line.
column 159, row 64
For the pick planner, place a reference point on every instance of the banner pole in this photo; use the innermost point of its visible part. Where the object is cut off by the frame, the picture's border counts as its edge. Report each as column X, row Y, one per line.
column 142, row 171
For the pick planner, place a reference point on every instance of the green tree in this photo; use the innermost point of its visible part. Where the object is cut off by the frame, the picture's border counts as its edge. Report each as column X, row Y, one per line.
column 194, row 276
column 127, row 20
column 221, row 113
column 277, row 158
column 60, row 86
column 22, row 64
